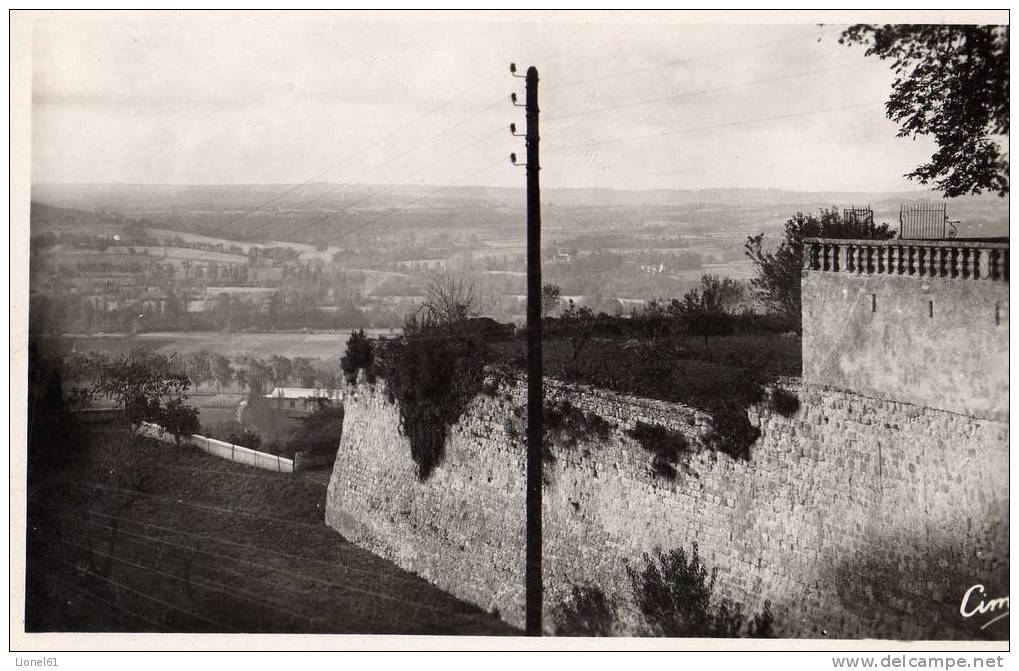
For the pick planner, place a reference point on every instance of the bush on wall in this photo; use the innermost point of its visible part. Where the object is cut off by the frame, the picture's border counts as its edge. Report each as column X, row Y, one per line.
column 568, row 426
column 360, row 355
column 665, row 446
column 675, row 594
column 731, row 431
column 587, row 612
column 432, row 371
column 784, row 402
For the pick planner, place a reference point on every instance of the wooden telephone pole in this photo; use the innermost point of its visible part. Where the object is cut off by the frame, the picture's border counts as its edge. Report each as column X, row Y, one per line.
column 535, row 383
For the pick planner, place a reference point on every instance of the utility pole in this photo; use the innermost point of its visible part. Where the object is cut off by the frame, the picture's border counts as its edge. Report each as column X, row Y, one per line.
column 535, row 383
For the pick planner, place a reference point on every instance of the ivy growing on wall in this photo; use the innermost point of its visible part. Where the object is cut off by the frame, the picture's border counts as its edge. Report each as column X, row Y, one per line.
column 433, row 370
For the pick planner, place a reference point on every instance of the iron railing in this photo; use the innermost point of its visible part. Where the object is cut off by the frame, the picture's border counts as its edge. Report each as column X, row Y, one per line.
column 858, row 215
column 925, row 221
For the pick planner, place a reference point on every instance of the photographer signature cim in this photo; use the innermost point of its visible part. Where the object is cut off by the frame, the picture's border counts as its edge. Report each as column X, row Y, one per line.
column 973, row 604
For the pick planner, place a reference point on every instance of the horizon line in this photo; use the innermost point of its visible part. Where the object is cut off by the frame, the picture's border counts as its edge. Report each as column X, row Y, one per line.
column 932, row 192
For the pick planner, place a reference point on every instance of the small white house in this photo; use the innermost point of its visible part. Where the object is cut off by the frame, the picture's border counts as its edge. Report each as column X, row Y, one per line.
column 305, row 400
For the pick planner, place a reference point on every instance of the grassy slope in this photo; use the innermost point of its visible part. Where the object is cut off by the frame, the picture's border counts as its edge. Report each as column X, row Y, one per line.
column 137, row 536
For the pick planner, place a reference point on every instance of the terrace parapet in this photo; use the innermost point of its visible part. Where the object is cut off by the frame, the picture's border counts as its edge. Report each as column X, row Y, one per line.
column 953, row 259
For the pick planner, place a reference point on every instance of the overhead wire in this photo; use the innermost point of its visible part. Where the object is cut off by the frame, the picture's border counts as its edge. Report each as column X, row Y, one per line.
column 154, row 599
column 244, row 546
column 685, row 94
column 692, row 129
column 259, row 227
column 208, row 585
column 343, row 161
column 288, row 572
column 396, row 131
column 415, row 201
column 674, row 63
column 383, row 189
column 95, row 598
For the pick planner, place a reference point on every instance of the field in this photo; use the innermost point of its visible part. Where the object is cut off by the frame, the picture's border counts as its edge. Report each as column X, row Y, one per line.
column 313, row 345
column 139, row 537
column 215, row 408
column 184, row 253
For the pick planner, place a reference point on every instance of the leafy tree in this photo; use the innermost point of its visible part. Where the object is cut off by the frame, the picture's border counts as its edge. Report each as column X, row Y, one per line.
column 221, row 370
column 174, row 308
column 280, row 369
column 139, row 381
column 252, row 373
column 708, row 310
column 199, row 367
column 777, row 285
column 178, row 419
column 360, row 355
column 304, row 372
column 952, row 82
column 579, row 324
column 716, row 294
column 550, row 298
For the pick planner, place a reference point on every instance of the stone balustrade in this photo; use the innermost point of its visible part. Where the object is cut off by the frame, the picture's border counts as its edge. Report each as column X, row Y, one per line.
column 961, row 259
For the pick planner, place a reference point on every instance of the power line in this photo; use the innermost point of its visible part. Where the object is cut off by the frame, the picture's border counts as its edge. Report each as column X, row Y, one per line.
column 350, row 157
column 154, row 599
column 292, row 573
column 251, row 548
column 396, row 131
column 391, row 159
column 685, row 94
column 676, row 63
column 680, row 131
column 412, row 202
column 344, row 161
column 95, row 598
column 170, row 499
column 211, row 586
column 375, row 193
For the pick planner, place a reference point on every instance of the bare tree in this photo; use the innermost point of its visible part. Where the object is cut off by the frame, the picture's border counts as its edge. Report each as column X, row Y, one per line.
column 450, row 299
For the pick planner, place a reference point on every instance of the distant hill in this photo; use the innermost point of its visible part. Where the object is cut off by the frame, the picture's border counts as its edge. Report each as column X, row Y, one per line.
column 161, row 196
column 315, row 212
column 46, row 217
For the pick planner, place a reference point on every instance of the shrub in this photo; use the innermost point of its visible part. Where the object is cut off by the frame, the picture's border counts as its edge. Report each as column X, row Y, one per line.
column 586, row 613
column 360, row 355
column 432, row 371
column 179, row 419
column 762, row 624
column 497, row 376
column 674, row 593
column 236, row 433
column 320, row 432
column 731, row 431
column 784, row 402
column 665, row 446
column 568, row 425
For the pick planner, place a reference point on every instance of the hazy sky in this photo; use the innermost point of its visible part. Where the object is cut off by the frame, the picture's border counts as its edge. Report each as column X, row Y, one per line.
column 240, row 98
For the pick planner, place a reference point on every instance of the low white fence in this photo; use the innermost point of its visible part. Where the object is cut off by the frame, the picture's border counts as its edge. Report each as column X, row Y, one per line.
column 225, row 450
